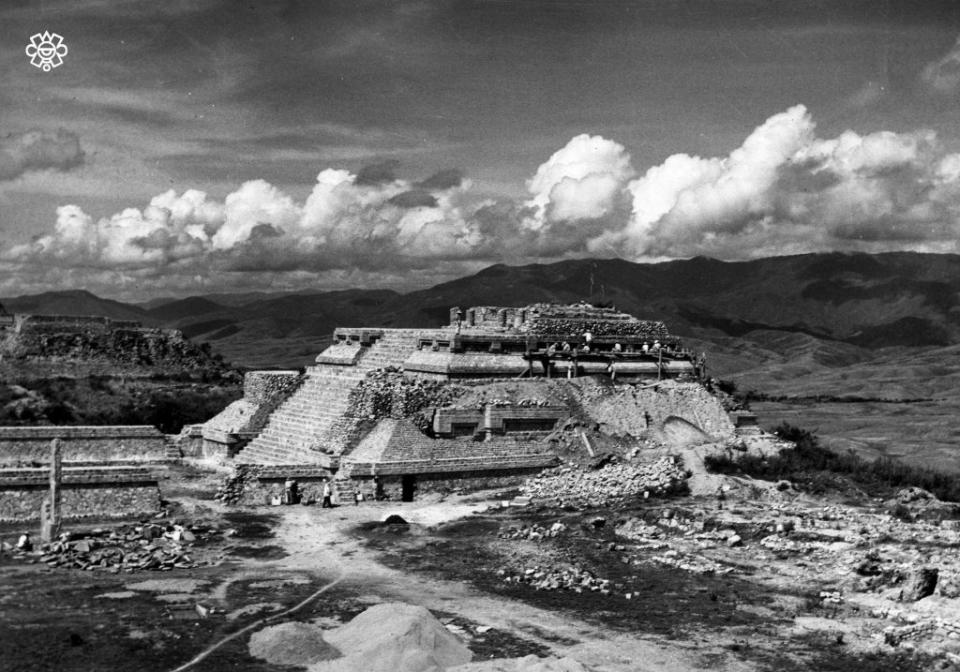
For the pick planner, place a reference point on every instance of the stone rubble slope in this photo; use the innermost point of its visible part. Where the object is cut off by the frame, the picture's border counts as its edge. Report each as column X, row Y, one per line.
column 610, row 484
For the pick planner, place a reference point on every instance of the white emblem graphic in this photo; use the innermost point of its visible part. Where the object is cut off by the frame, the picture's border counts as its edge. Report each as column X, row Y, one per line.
column 46, row 50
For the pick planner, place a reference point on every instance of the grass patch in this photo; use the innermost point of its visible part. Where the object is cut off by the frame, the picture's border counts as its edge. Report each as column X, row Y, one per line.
column 812, row 466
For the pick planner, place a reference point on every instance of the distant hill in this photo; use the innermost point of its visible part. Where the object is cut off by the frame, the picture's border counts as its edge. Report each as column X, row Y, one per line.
column 806, row 314
column 74, row 302
column 189, row 307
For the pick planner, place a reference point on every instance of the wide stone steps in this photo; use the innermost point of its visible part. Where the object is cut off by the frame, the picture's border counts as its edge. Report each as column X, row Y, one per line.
column 314, row 415
column 305, row 419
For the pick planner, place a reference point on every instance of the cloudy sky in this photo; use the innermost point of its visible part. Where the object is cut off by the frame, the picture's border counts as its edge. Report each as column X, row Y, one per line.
column 198, row 146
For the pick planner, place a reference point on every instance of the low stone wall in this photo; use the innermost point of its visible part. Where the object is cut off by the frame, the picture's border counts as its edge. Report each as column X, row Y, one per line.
column 107, row 443
column 89, row 492
column 465, row 481
column 258, row 484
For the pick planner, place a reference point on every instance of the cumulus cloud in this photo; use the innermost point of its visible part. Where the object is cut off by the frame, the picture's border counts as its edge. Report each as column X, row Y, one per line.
column 36, row 150
column 784, row 190
column 581, row 181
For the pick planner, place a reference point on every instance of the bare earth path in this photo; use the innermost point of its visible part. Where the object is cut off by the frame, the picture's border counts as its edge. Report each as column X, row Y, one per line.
column 319, row 542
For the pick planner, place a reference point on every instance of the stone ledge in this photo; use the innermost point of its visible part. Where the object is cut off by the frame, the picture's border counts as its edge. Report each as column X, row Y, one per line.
column 444, row 465
column 40, row 476
column 81, row 432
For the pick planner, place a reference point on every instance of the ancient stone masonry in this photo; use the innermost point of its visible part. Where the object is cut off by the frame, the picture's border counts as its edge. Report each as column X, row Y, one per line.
column 86, row 341
column 423, row 405
column 88, row 492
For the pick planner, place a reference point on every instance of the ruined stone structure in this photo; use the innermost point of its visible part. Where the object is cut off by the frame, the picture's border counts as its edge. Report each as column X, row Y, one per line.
column 79, row 345
column 475, row 401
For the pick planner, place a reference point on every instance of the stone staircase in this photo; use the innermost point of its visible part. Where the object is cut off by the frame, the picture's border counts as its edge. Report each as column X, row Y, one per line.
column 309, row 426
column 172, row 448
column 392, row 349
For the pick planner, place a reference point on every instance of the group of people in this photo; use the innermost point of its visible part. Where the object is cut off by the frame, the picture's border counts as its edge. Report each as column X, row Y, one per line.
column 292, row 495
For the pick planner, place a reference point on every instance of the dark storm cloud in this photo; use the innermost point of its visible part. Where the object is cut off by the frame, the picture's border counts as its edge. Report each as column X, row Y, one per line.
column 36, row 150
column 378, row 173
column 443, row 179
column 415, row 198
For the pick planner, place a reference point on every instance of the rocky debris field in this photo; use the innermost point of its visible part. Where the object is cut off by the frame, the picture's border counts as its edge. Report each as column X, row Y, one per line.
column 885, row 575
column 608, row 485
column 148, row 546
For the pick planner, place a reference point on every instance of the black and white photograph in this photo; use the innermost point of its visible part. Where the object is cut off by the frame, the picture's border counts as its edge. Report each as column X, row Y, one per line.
column 480, row 335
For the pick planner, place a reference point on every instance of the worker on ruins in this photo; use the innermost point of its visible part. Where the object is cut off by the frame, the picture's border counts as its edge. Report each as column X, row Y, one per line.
column 645, row 347
column 551, row 349
column 24, row 543
column 617, row 347
column 357, row 495
column 326, row 495
column 459, row 319
column 587, row 338
column 656, row 346
column 565, row 347
column 586, row 348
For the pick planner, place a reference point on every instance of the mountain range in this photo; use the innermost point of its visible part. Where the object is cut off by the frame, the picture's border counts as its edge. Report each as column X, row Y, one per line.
column 793, row 323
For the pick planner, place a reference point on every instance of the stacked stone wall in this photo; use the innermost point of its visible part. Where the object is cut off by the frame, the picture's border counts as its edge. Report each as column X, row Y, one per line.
column 258, row 484
column 389, row 394
column 443, row 483
column 85, row 493
column 139, row 443
column 261, row 387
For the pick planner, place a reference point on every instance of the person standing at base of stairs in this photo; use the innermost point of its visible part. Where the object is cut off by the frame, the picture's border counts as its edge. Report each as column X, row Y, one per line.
column 326, row 495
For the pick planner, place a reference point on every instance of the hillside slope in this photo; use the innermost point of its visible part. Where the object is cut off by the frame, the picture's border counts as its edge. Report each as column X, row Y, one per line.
column 770, row 319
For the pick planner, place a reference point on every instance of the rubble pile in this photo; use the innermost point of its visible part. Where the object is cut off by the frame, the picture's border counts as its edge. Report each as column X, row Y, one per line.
column 690, row 563
column 568, row 578
column 533, row 532
column 147, row 546
column 612, row 483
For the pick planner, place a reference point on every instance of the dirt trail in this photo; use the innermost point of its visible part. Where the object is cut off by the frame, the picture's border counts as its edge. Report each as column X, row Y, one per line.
column 319, row 542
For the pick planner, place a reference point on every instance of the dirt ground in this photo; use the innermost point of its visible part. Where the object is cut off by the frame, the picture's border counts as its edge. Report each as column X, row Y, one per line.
column 264, row 562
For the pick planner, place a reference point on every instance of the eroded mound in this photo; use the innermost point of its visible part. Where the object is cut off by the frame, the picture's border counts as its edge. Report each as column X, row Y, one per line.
column 291, row 644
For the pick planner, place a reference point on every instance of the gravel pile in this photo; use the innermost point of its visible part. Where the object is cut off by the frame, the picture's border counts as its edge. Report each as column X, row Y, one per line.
column 571, row 486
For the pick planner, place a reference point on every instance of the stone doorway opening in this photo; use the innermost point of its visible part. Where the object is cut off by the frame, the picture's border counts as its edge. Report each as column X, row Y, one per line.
column 408, row 486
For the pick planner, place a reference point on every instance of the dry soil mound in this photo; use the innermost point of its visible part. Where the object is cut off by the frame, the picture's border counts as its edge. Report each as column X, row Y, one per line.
column 394, row 637
column 291, row 644
column 526, row 664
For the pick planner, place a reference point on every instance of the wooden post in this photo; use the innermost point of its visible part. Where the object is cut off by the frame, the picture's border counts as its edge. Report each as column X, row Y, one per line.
column 56, row 476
